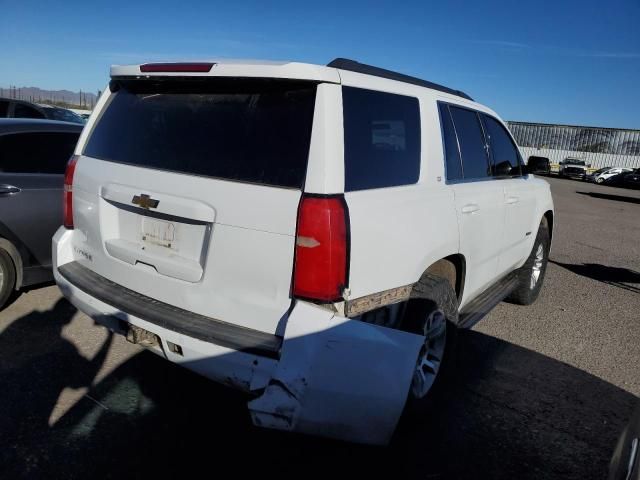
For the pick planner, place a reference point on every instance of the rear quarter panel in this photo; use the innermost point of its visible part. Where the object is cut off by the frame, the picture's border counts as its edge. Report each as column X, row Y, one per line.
column 398, row 232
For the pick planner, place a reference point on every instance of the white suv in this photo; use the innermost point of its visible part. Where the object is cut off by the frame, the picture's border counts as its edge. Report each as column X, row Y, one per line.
column 313, row 235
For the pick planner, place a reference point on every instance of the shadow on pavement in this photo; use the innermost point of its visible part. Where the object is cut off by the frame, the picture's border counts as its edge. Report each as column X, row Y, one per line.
column 615, row 276
column 617, row 198
column 36, row 364
column 508, row 413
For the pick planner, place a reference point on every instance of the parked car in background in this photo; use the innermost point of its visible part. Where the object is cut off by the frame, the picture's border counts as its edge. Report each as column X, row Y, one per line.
column 591, row 176
column 84, row 113
column 538, row 165
column 605, row 175
column 33, row 156
column 631, row 180
column 12, row 108
column 62, row 114
column 624, row 180
column 269, row 231
column 573, row 168
column 625, row 462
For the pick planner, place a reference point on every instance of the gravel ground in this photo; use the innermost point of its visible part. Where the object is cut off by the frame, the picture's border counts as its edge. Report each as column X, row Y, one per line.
column 539, row 392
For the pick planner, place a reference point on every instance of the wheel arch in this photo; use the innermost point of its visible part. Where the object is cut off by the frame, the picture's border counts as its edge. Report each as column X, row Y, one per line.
column 10, row 248
column 548, row 215
column 452, row 268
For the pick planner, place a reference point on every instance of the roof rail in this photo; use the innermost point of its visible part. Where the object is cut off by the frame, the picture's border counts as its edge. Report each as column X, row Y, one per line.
column 353, row 66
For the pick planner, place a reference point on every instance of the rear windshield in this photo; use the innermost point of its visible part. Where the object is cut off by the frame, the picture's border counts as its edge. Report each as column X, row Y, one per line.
column 254, row 131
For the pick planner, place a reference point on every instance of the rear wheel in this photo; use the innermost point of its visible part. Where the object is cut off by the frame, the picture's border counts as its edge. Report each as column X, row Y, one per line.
column 531, row 274
column 599, row 180
column 433, row 313
column 7, row 277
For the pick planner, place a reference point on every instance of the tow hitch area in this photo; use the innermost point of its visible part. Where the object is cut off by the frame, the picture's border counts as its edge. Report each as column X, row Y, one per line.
column 141, row 336
column 339, row 378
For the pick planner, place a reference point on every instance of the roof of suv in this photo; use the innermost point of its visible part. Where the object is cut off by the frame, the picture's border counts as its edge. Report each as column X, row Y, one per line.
column 8, row 125
column 273, row 69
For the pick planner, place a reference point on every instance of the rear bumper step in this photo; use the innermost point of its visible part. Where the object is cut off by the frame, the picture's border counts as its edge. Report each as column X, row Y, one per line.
column 169, row 317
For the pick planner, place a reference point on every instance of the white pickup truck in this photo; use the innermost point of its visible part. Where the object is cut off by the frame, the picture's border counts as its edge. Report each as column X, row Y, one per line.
column 312, row 235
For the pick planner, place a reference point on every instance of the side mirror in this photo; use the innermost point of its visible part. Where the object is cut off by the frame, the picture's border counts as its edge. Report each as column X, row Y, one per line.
column 502, row 169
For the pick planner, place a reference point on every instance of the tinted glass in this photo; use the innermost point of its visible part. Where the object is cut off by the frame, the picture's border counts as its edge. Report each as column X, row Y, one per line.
column 504, row 153
column 451, row 152
column 64, row 115
column 25, row 111
column 381, row 139
column 4, row 109
column 472, row 143
column 253, row 131
column 36, row 152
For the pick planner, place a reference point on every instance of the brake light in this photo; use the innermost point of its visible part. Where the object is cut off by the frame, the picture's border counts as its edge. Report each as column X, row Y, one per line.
column 176, row 67
column 322, row 243
column 67, row 202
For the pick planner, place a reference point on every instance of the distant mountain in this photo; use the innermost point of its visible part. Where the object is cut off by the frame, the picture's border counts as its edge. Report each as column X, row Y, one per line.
column 38, row 95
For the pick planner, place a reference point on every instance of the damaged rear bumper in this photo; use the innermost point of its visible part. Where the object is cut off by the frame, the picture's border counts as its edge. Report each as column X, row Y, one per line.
column 329, row 375
column 338, row 378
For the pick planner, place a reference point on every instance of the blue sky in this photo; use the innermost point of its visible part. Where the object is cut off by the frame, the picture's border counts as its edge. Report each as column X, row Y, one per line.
column 575, row 62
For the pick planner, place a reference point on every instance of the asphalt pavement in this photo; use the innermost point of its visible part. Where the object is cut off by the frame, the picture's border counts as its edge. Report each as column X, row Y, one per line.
column 538, row 392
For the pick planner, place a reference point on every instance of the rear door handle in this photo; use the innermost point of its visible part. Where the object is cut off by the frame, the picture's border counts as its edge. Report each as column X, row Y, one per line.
column 470, row 208
column 8, row 189
column 512, row 200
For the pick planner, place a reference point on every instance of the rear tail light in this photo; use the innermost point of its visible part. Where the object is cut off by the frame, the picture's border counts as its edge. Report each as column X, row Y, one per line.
column 322, row 245
column 67, row 205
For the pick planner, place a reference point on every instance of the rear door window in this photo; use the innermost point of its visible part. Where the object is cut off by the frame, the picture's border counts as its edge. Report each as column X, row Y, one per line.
column 4, row 109
column 381, row 139
column 472, row 143
column 505, row 157
column 37, row 152
column 254, row 131
column 451, row 152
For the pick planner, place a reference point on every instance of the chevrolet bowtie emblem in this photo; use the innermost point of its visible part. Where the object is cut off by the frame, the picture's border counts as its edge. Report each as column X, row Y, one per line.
column 145, row 201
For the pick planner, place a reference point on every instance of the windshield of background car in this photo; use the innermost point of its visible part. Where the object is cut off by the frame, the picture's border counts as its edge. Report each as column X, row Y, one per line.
column 255, row 131
column 64, row 115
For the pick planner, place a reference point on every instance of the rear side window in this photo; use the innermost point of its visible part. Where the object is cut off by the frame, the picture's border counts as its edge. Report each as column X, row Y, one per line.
column 381, row 139
column 20, row 110
column 4, row 109
column 504, row 153
column 44, row 152
column 254, row 131
column 451, row 151
column 472, row 143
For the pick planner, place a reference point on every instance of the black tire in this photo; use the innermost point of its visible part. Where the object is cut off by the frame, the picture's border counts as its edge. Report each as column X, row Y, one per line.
column 527, row 292
column 430, row 294
column 7, row 277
